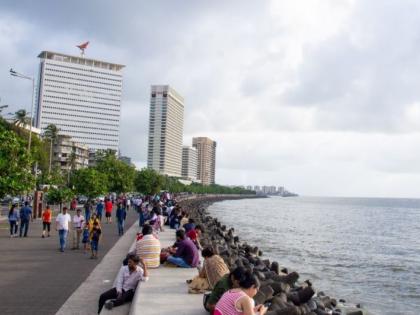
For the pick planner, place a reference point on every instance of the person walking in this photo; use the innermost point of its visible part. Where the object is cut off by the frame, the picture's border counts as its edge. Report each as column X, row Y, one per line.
column 95, row 235
column 13, row 220
column 88, row 210
column 46, row 221
column 108, row 210
column 25, row 215
column 78, row 221
column 63, row 221
column 99, row 209
column 73, row 204
column 121, row 215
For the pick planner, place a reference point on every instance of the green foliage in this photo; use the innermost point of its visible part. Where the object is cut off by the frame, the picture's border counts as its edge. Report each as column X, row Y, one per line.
column 21, row 118
column 148, row 181
column 120, row 176
column 15, row 165
column 55, row 177
column 59, row 195
column 89, row 182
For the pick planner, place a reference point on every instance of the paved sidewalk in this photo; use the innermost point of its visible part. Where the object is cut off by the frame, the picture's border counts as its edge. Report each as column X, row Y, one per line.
column 36, row 278
column 166, row 292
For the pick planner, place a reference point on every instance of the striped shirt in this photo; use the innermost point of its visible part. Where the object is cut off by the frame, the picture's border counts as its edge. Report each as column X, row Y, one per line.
column 227, row 303
column 148, row 248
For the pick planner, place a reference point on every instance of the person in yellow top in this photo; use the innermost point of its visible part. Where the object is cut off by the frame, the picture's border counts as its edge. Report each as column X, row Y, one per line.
column 46, row 221
column 92, row 220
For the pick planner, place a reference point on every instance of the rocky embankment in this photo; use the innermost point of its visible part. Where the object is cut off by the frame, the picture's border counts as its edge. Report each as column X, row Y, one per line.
column 283, row 289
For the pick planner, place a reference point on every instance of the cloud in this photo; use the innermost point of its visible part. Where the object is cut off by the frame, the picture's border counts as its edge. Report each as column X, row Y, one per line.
column 320, row 96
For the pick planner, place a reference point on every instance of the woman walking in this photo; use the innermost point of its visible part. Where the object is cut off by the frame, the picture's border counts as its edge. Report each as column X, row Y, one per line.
column 46, row 221
column 13, row 220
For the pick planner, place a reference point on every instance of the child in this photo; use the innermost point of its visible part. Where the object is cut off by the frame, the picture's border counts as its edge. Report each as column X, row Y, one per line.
column 95, row 235
column 85, row 237
column 46, row 221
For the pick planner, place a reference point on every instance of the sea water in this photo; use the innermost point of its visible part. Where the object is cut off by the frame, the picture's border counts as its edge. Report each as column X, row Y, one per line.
column 363, row 250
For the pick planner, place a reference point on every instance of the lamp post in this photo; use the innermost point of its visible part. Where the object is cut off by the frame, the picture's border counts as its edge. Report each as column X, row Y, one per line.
column 22, row 76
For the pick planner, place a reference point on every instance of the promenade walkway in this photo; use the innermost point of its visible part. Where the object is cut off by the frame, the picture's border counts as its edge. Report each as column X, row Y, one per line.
column 36, row 278
column 166, row 292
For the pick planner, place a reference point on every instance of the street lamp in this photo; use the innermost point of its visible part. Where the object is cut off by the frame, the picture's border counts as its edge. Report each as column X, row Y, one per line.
column 22, row 76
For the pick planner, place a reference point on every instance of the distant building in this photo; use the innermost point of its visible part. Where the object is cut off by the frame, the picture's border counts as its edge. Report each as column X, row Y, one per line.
column 249, row 187
column 68, row 154
column 82, row 97
column 280, row 190
column 206, row 149
column 166, row 121
column 257, row 188
column 189, row 163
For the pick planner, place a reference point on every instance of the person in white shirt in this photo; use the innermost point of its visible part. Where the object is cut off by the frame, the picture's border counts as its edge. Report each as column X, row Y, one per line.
column 62, row 225
column 78, row 221
column 127, row 281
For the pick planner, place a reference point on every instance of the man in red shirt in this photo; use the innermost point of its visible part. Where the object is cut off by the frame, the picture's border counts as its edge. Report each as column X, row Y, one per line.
column 108, row 210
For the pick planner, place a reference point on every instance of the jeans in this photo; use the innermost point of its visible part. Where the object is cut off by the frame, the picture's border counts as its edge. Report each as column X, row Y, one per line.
column 13, row 227
column 112, row 294
column 87, row 215
column 24, row 224
column 178, row 261
column 76, row 238
column 120, row 227
column 63, row 238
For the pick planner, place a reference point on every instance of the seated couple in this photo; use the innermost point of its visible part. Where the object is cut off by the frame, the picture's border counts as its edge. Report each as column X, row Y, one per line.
column 127, row 281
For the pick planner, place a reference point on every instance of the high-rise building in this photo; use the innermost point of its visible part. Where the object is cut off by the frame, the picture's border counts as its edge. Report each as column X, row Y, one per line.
column 82, row 97
column 189, row 163
column 206, row 149
column 166, row 123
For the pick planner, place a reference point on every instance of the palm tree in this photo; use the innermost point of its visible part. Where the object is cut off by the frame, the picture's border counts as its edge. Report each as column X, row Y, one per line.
column 51, row 132
column 21, row 118
column 71, row 163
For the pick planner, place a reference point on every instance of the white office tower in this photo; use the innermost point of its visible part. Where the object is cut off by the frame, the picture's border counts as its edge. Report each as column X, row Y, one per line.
column 82, row 97
column 166, row 122
column 189, row 163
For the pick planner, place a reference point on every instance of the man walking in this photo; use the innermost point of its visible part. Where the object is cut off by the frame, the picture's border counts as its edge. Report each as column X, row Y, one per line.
column 78, row 221
column 62, row 226
column 25, row 215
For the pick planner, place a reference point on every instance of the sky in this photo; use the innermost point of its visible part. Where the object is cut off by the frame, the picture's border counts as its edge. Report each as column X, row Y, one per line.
column 319, row 96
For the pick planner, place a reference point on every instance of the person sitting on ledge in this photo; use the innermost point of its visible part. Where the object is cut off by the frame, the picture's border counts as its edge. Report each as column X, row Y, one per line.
column 189, row 226
column 214, row 268
column 195, row 234
column 148, row 247
column 186, row 255
column 127, row 281
column 240, row 300
column 226, row 283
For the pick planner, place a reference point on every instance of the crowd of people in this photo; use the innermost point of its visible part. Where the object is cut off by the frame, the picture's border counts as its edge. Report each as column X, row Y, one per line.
column 231, row 291
column 228, row 292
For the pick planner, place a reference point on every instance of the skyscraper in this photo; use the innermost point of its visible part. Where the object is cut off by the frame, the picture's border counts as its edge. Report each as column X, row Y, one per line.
column 189, row 163
column 166, row 123
column 82, row 97
column 206, row 159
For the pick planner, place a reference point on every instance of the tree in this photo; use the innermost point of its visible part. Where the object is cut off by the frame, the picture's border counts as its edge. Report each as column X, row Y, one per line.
column 120, row 175
column 21, row 118
column 51, row 133
column 89, row 182
column 15, row 165
column 59, row 196
column 148, row 181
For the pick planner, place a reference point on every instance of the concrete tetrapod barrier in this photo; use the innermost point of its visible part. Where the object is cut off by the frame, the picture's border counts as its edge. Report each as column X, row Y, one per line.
column 166, row 292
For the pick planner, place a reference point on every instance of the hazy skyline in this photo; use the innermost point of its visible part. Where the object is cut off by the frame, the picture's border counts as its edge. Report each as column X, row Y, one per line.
column 318, row 96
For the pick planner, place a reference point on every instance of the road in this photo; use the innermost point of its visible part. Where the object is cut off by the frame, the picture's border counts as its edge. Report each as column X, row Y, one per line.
column 35, row 278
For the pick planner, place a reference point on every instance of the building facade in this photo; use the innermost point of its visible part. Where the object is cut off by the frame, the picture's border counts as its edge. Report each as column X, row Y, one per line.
column 69, row 154
column 82, row 97
column 166, row 124
column 206, row 149
column 189, row 163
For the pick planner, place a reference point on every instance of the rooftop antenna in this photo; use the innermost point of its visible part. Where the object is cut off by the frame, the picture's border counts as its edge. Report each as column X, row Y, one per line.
column 82, row 48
